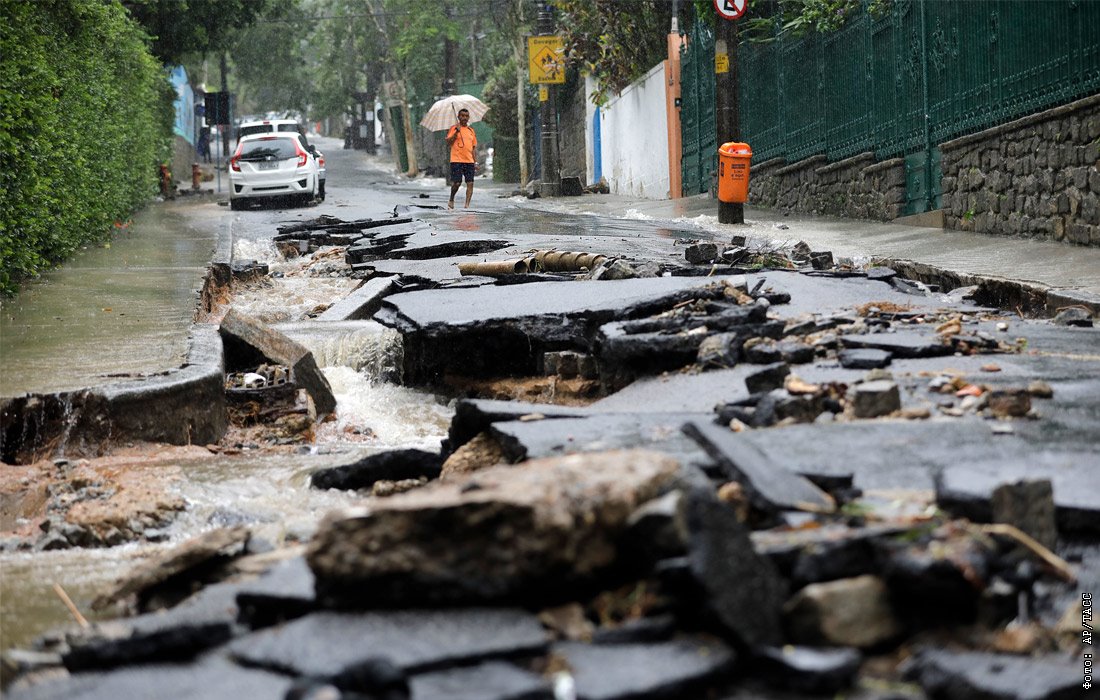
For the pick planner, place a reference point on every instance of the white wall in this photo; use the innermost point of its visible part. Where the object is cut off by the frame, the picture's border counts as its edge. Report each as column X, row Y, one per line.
column 634, row 138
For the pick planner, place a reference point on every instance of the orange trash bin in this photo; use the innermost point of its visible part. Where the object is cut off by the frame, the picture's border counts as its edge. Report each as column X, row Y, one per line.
column 733, row 171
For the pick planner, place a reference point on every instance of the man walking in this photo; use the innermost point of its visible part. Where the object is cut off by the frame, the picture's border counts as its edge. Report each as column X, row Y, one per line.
column 463, row 143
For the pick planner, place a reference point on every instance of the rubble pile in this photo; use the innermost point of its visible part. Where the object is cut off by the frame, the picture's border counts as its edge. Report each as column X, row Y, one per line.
column 795, row 477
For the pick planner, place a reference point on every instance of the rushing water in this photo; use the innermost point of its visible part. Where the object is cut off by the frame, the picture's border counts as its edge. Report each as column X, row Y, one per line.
column 268, row 492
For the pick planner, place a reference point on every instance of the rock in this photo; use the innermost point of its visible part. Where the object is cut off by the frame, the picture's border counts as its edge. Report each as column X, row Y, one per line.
column 767, row 378
column 770, row 486
column 865, row 358
column 1029, row 506
column 741, row 591
column 961, row 675
column 853, row 612
column 623, row 672
column 762, row 351
column 795, row 353
column 390, row 466
column 809, row 670
column 483, row 451
column 821, row 260
column 732, row 256
column 621, row 270
column 699, row 253
column 874, row 399
column 1008, row 403
column 172, row 567
column 547, row 523
column 249, row 343
column 779, row 405
column 493, row 680
column 719, row 350
column 323, row 644
column 1040, row 389
column 1074, row 316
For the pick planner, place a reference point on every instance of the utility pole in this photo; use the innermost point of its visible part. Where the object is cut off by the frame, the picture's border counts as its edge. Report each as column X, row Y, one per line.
column 726, row 107
column 225, row 89
column 550, row 178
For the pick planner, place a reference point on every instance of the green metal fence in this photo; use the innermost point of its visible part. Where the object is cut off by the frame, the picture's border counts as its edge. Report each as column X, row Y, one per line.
column 697, row 128
column 899, row 83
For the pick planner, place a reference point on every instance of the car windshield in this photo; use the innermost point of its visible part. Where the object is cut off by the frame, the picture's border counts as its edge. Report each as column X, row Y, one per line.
column 268, row 149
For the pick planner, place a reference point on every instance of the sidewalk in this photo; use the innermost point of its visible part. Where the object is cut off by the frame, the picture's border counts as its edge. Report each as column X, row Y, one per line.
column 1071, row 271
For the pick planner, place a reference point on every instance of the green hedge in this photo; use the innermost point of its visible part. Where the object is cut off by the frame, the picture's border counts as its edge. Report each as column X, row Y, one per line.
column 85, row 117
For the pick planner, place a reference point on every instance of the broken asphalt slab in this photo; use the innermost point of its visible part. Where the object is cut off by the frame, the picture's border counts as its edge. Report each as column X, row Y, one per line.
column 325, row 643
column 499, row 331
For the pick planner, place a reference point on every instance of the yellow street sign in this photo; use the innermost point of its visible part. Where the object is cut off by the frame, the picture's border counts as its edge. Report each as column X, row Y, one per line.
column 544, row 93
column 721, row 63
column 545, row 59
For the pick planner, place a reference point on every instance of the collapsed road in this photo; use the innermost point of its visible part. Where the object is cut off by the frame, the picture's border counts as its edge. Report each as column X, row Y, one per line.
column 717, row 469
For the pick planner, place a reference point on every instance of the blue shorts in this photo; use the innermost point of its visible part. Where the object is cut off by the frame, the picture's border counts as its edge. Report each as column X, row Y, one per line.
column 460, row 170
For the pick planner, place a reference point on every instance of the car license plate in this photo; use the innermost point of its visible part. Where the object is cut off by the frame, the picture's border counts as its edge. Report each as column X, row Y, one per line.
column 269, row 165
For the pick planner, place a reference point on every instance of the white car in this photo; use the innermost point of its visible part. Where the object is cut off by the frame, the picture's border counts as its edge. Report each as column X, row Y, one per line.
column 268, row 126
column 274, row 165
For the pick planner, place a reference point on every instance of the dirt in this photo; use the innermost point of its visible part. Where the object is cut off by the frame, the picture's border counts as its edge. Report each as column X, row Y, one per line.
column 93, row 502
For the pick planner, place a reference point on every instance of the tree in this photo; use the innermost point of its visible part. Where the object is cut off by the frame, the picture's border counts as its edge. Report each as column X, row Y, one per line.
column 272, row 60
column 180, row 27
column 614, row 42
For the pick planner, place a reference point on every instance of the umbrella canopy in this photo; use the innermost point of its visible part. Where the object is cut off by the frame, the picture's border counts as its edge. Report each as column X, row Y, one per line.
column 444, row 113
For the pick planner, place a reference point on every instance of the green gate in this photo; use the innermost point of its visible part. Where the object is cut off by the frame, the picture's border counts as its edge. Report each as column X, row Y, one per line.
column 697, row 125
column 902, row 81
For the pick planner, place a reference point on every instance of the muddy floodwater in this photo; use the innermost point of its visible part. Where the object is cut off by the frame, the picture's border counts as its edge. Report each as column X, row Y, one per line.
column 64, row 333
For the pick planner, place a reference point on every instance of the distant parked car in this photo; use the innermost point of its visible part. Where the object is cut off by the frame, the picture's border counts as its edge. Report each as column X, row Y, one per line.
column 275, row 165
column 267, row 126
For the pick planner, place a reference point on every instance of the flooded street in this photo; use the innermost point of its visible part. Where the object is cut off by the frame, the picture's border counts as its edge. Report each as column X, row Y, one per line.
column 557, row 441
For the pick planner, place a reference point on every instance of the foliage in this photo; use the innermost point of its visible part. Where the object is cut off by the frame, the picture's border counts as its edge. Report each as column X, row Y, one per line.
column 85, row 117
column 766, row 20
column 272, row 60
column 180, row 27
column 500, row 95
column 611, row 44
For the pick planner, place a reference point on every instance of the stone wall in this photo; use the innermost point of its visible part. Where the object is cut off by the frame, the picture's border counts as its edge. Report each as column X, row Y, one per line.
column 855, row 187
column 1036, row 177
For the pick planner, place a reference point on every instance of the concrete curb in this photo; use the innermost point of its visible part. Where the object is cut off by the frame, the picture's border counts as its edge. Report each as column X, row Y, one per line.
column 182, row 406
column 1010, row 295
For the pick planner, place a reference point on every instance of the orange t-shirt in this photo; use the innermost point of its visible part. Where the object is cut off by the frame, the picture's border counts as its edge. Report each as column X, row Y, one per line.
column 462, row 150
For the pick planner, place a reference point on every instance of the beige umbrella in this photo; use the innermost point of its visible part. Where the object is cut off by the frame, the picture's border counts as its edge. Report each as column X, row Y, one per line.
column 444, row 113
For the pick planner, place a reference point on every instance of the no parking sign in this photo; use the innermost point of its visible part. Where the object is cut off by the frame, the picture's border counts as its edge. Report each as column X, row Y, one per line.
column 730, row 9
